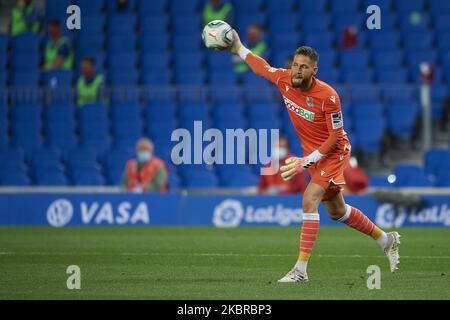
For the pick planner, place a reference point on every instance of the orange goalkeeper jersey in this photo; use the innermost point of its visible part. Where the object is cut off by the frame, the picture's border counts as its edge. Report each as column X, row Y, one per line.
column 315, row 114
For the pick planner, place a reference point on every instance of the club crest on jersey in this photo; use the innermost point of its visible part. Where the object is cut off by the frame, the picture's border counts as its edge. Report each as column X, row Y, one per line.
column 309, row 102
column 336, row 120
column 292, row 106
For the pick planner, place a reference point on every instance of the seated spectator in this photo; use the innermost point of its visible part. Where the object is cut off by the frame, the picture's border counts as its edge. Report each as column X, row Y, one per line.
column 355, row 177
column 59, row 52
column 217, row 10
column 90, row 85
column 25, row 18
column 349, row 38
column 255, row 44
column 274, row 184
column 146, row 173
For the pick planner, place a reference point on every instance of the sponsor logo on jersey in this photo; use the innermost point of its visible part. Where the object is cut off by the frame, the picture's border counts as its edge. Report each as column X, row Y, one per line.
column 336, row 120
column 305, row 114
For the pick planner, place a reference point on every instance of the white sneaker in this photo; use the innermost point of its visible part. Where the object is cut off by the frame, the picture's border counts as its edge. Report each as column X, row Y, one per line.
column 392, row 250
column 295, row 275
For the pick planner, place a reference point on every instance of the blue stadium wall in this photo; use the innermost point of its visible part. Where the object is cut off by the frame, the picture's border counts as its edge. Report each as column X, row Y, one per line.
column 68, row 209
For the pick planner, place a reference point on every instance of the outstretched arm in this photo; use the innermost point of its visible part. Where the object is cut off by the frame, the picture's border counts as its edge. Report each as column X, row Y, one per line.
column 257, row 64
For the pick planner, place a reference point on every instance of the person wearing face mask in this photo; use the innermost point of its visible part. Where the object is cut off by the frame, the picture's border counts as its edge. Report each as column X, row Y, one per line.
column 275, row 184
column 146, row 173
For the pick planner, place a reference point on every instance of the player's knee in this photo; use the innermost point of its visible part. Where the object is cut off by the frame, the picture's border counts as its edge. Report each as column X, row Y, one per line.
column 309, row 205
column 336, row 213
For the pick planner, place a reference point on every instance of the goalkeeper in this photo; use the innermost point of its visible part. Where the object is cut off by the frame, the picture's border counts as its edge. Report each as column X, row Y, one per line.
column 314, row 109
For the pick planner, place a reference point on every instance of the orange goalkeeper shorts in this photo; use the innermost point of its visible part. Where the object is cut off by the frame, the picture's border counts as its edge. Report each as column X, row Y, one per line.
column 329, row 173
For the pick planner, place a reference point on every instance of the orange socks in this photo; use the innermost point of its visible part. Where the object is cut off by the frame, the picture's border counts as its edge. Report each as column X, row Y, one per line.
column 308, row 236
column 355, row 219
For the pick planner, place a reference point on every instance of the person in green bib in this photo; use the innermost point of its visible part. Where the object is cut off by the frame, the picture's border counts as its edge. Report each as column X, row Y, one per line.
column 90, row 85
column 59, row 52
column 255, row 44
column 25, row 18
column 217, row 10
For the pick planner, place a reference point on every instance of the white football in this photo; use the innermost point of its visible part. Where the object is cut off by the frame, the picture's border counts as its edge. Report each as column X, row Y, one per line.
column 217, row 35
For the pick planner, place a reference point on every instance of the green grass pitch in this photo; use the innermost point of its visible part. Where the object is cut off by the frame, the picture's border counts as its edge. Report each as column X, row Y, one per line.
column 210, row 263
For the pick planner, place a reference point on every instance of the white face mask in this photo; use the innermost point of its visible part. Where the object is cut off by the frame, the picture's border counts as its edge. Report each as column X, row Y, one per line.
column 143, row 156
column 280, row 153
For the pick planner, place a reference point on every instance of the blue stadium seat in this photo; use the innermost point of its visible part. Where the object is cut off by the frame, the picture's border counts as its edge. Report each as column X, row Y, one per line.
column 87, row 177
column 402, row 126
column 26, row 135
column 196, row 78
column 339, row 7
column 306, row 7
column 436, row 161
column 16, row 179
column 283, row 23
column 442, row 23
column 280, row 7
column 219, row 62
column 406, row 6
column 327, row 59
column 365, row 93
column 56, row 9
column 191, row 111
column 384, row 41
column 418, row 41
column 289, row 41
column 25, row 43
column 26, row 96
column 12, row 159
column 321, row 42
column 358, row 76
column 354, row 60
column 399, row 93
column 367, row 110
column 369, row 134
column 258, row 93
column 88, row 44
column 154, row 26
column 387, row 59
column 46, row 158
column 125, row 95
column 122, row 24
column 248, row 6
column 315, row 24
column 415, row 58
column 411, row 175
column 123, row 78
column 52, row 177
column 225, row 111
column 154, row 43
column 330, row 76
column 183, row 7
column 379, row 181
column 121, row 43
column 280, row 59
column 397, row 76
column 91, row 7
column 25, row 79
column 188, row 61
column 166, row 95
column 186, row 25
column 186, row 43
column 149, row 78
column 122, row 61
column 151, row 8
column 155, row 62
column 25, row 62
column 245, row 20
column 92, row 25
column 436, row 6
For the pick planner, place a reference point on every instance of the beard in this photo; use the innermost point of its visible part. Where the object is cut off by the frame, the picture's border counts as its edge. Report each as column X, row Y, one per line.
column 302, row 84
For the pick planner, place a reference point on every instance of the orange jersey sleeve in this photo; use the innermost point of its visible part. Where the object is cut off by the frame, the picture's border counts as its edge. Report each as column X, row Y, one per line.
column 335, row 124
column 261, row 68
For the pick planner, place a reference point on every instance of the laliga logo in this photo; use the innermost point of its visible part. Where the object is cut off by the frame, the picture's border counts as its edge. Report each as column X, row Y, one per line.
column 387, row 217
column 59, row 213
column 228, row 214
